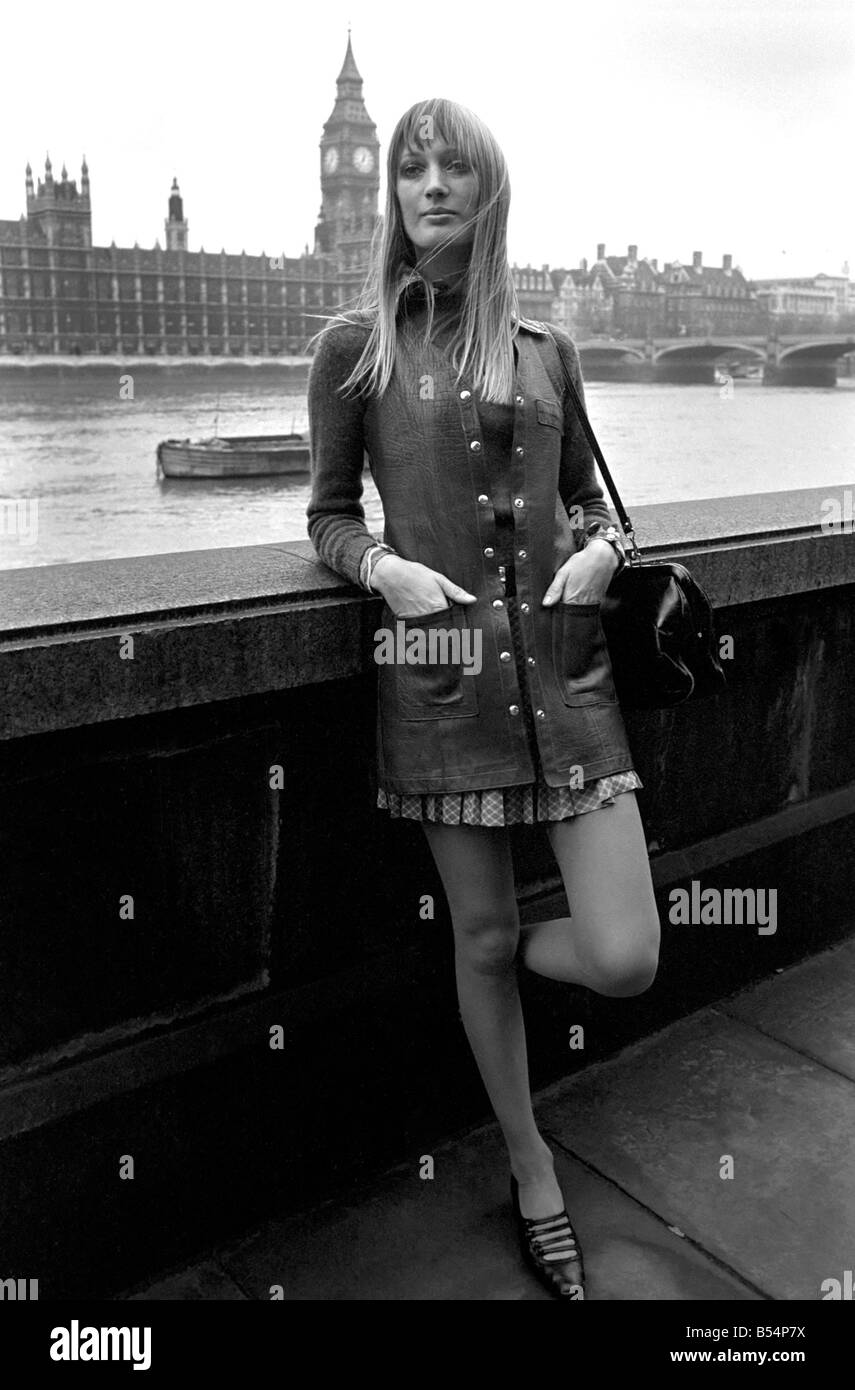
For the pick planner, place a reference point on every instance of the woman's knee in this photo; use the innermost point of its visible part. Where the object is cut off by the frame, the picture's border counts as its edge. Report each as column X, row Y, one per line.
column 487, row 941
column 624, row 967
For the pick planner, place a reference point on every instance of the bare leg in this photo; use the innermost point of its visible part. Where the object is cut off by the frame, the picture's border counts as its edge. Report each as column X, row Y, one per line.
column 477, row 873
column 610, row 945
column 611, row 942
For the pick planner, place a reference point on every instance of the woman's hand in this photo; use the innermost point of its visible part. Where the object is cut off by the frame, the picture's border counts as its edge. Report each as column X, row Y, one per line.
column 585, row 577
column 412, row 590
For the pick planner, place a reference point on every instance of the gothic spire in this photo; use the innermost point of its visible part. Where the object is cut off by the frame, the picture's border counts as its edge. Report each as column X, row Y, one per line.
column 349, row 71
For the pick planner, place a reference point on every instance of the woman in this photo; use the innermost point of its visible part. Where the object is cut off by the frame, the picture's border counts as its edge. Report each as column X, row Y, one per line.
column 497, row 543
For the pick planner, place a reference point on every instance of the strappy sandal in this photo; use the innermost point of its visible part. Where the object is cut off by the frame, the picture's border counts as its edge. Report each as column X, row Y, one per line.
column 549, row 1245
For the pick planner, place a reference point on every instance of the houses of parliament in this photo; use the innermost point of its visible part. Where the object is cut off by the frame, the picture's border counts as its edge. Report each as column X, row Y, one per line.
column 60, row 295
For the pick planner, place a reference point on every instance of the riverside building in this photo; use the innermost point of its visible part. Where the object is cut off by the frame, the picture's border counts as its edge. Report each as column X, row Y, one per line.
column 61, row 295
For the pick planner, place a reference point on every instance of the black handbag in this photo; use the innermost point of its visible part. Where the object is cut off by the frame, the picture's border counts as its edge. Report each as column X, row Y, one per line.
column 657, row 620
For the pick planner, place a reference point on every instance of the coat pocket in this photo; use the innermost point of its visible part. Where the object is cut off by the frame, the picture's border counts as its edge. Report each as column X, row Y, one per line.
column 437, row 660
column 580, row 655
column 550, row 413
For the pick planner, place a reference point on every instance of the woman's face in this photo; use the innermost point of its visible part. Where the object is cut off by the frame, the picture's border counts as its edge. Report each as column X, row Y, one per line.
column 438, row 195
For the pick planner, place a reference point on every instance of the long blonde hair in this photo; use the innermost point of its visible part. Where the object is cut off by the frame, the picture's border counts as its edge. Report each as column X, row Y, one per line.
column 482, row 345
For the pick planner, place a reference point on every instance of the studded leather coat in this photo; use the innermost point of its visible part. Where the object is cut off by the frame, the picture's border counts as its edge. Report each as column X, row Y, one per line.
column 441, row 729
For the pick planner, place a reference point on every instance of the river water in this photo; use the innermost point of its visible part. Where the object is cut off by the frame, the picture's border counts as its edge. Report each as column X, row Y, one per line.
column 87, row 457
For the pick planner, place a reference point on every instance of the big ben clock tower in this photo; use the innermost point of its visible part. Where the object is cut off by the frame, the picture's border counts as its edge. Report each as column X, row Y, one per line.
column 350, row 179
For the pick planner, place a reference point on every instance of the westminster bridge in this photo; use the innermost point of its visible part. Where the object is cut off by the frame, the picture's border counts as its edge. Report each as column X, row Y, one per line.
column 797, row 359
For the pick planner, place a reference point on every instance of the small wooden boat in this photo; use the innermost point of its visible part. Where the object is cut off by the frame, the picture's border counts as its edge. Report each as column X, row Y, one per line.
column 234, row 456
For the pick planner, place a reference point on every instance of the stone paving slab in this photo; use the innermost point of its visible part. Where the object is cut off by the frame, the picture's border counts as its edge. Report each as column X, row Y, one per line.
column 810, row 1007
column 659, row 1118
column 452, row 1238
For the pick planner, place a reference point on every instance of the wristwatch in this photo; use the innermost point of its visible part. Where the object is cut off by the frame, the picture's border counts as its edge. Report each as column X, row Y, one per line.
column 598, row 532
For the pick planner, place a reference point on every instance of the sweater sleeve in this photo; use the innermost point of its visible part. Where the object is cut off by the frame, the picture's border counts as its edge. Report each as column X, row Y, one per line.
column 578, row 483
column 336, row 517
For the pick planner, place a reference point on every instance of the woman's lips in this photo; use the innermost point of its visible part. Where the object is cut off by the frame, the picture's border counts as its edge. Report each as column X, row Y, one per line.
column 445, row 212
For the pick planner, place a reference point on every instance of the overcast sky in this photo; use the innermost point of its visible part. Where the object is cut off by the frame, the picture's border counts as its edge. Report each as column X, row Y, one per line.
column 682, row 125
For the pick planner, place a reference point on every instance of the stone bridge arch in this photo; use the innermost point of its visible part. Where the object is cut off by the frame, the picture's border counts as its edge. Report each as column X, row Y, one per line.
column 708, row 350
column 817, row 350
column 609, row 350
column 807, row 362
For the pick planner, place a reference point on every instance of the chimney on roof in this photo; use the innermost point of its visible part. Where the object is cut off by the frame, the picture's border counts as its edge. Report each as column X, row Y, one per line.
column 727, row 262
column 583, row 264
column 697, row 259
column 633, row 253
column 601, row 250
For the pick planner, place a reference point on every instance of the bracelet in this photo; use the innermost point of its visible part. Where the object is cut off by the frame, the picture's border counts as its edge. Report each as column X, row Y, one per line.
column 366, row 565
column 609, row 534
column 373, row 555
column 363, row 564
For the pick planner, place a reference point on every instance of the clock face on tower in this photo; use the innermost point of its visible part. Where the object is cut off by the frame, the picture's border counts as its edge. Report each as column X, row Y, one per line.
column 331, row 159
column 363, row 159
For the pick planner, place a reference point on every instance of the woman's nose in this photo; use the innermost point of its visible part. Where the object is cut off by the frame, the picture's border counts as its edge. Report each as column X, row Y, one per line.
column 436, row 183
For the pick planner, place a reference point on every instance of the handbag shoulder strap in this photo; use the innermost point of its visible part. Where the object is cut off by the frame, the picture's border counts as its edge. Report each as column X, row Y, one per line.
column 623, row 514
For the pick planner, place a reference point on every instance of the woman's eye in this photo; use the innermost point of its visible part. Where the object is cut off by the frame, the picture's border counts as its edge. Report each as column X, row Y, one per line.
column 414, row 171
